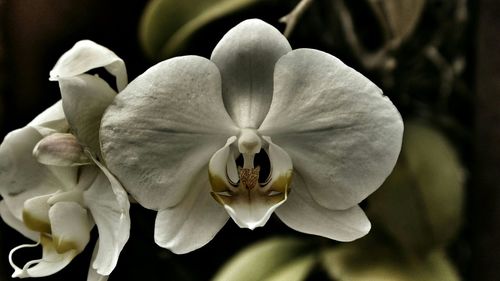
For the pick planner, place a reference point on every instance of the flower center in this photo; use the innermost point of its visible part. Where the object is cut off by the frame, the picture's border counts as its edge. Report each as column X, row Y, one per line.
column 249, row 177
column 252, row 180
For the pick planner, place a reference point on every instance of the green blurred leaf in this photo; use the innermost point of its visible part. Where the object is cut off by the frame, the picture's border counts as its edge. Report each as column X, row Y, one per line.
column 420, row 204
column 369, row 259
column 166, row 25
column 398, row 17
column 296, row 270
column 275, row 259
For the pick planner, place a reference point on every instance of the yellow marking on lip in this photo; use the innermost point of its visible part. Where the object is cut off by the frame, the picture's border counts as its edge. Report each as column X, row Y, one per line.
column 36, row 224
column 63, row 245
column 218, row 184
column 282, row 183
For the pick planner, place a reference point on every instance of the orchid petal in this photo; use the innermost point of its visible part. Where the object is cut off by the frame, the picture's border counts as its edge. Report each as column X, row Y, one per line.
column 87, row 55
column 16, row 224
column 92, row 274
column 50, row 263
column 302, row 213
column 163, row 128
column 85, row 97
column 71, row 225
column 21, row 176
column 50, row 120
column 193, row 222
column 246, row 56
column 342, row 134
column 112, row 219
column 117, row 188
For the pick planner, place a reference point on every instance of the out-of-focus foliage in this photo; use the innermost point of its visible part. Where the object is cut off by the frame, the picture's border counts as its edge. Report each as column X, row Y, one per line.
column 276, row 259
column 420, row 204
column 370, row 259
column 167, row 25
column 296, row 270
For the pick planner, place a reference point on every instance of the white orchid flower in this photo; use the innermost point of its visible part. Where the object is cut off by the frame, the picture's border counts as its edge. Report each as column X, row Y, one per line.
column 259, row 128
column 53, row 186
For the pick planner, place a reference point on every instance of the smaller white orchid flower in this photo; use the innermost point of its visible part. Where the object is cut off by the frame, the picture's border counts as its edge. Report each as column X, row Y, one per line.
column 260, row 128
column 53, row 186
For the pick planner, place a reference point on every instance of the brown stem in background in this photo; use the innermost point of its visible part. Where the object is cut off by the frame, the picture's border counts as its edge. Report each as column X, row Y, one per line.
column 293, row 17
column 485, row 193
column 379, row 59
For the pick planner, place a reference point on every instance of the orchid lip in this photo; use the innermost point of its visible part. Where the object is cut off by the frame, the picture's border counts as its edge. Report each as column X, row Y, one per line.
column 250, row 179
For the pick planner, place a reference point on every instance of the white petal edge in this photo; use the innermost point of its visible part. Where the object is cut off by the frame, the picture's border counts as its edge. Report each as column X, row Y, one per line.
column 246, row 56
column 109, row 206
column 117, row 188
column 342, row 134
column 302, row 213
column 92, row 274
column 86, row 55
column 163, row 128
column 193, row 222
column 51, row 120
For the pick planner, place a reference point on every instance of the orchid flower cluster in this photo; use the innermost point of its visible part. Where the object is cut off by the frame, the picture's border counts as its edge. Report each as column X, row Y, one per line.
column 256, row 129
column 54, row 185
